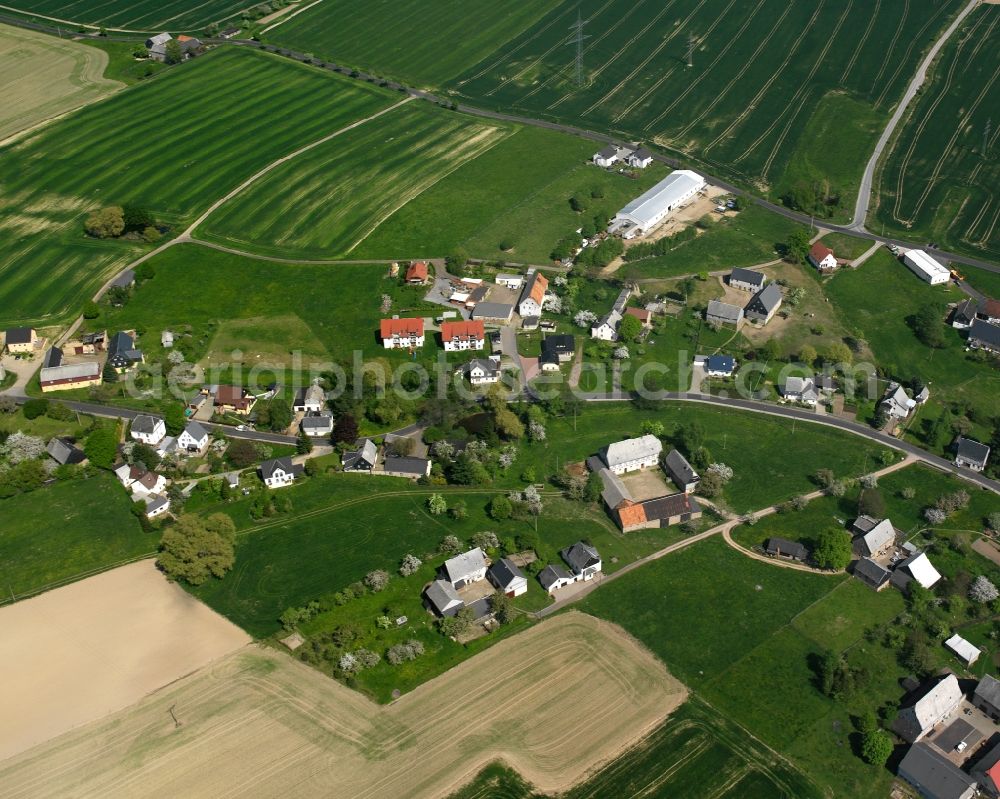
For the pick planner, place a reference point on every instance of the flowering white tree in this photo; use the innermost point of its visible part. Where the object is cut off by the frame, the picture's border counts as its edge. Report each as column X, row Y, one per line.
column 349, row 663
column 725, row 472
column 410, row 565
column 533, row 500
column 22, row 447
column 536, row 431
column 935, row 515
column 507, row 457
column 486, row 540
column 869, row 481
column 367, row 658
column 443, row 450
column 377, row 580
column 621, row 353
column 584, row 318
column 560, row 280
column 553, row 303
column 982, row 590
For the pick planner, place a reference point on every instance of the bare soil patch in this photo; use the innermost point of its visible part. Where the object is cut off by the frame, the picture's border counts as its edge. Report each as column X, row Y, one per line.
column 985, row 548
column 75, row 654
column 554, row 702
column 647, row 484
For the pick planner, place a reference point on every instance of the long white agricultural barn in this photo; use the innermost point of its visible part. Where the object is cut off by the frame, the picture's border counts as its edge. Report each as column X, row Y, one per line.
column 649, row 209
column 926, row 268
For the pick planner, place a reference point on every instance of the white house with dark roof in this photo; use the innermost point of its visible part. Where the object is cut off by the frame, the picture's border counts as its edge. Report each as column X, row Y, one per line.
column 507, row 577
column 481, row 371
column 606, row 328
column 747, row 280
column 800, row 389
column 681, row 472
column 317, row 425
column 148, row 429
column 871, row 574
column 583, row 560
column 309, row 399
column 640, row 159
column 156, row 506
column 554, row 577
column 279, row 472
column 20, row 340
column 971, row 454
column 400, row 466
column 897, row 403
column 874, row 537
column 194, row 438
column 467, row 568
column 607, row 156
column 915, row 721
column 633, row 454
column 442, row 598
column 764, row 304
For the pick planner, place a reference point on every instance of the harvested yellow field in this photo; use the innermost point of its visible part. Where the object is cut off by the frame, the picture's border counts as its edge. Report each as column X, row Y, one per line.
column 78, row 653
column 554, row 702
column 44, row 77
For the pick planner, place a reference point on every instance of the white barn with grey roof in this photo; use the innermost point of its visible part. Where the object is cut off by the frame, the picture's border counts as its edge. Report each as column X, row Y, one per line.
column 443, row 599
column 469, row 567
column 633, row 454
column 722, row 313
column 914, row 722
column 965, row 651
column 507, row 577
column 650, row 208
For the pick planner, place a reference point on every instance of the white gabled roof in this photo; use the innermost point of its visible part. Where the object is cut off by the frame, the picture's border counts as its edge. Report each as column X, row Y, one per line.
column 933, row 706
column 880, row 536
column 923, row 570
column 633, row 449
column 667, row 193
column 461, row 566
column 965, row 650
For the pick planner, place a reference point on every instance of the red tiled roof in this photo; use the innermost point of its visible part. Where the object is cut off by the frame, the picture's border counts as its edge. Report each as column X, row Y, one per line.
column 402, row 327
column 460, row 330
column 639, row 313
column 417, row 271
column 631, row 515
column 819, row 251
column 991, row 308
column 993, row 772
column 538, row 288
column 231, row 395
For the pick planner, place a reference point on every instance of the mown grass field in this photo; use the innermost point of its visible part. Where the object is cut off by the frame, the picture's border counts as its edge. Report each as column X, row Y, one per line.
column 695, row 753
column 938, row 181
column 45, row 77
column 426, row 43
column 744, row 644
column 65, row 530
column 136, row 15
column 173, row 145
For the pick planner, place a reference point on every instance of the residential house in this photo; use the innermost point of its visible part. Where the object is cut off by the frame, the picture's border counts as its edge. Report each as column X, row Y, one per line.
column 65, row 452
column 897, row 403
column 720, row 365
column 656, row 513
column 166, row 339
column 607, row 156
column 456, row 336
column 914, row 722
column 194, row 438
column 645, row 317
column 21, row 340
column 783, row 548
column 681, row 472
column 363, row 459
column 633, row 454
column 934, row 775
column 70, row 376
column 640, row 159
column 800, row 389
column 533, row 295
column 233, row 399
column 530, row 323
column 279, row 472
column 401, row 334
column 156, row 506
column 964, row 314
column 87, row 344
column 509, row 281
column 229, row 33
column 465, row 569
column 822, row 257
column 989, row 311
column 493, row 313
column 583, row 560
column 984, row 336
column 971, row 454
column 416, row 273
column 606, row 328
column 986, row 773
column 317, row 425
column 442, row 598
column 125, row 280
column 148, row 429
column 561, row 346
column 309, row 399
column 747, row 280
column 507, row 577
column 722, row 313
column 987, row 696
column 160, row 38
column 554, row 576
column 481, row 371
column 963, row 650
column 413, row 468
column 871, row 574
column 122, row 352
column 917, row 567
column 145, row 483
column 874, row 537
column 764, row 304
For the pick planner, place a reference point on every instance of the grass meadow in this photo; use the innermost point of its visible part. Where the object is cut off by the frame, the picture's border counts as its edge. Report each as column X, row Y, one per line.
column 137, row 15
column 938, row 180
column 45, row 77
column 172, row 144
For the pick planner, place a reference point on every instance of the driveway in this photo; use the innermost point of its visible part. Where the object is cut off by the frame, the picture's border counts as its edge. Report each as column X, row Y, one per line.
column 23, row 368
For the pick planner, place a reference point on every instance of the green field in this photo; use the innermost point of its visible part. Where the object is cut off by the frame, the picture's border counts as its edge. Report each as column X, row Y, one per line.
column 745, row 643
column 173, row 144
column 695, row 753
column 62, row 532
column 137, row 15
column 938, row 181
column 426, row 43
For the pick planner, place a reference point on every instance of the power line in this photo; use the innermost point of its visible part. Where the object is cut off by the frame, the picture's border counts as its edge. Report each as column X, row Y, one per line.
column 578, row 41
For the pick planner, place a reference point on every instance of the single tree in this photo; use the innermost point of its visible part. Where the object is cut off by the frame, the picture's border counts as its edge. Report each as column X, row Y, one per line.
column 376, row 580
column 500, row 508
column 194, row 549
column 106, row 223
column 798, row 246
column 833, row 549
column 174, row 53
column 436, row 504
column 345, row 431
column 108, row 374
column 983, row 591
column 876, row 747
column 629, row 328
column 174, row 419
column 502, row 607
column 101, row 447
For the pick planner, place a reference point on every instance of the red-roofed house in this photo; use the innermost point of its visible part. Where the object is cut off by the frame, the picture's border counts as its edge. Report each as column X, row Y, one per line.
column 417, row 273
column 402, row 333
column 463, row 335
column 641, row 314
column 990, row 311
column 233, row 399
column 822, row 257
column 533, row 295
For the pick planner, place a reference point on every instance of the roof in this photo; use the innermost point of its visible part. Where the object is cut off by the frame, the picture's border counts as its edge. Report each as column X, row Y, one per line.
column 505, row 572
column 632, row 449
column 312, row 394
column 966, row 310
column 195, row 430
column 782, row 546
column 580, row 556
column 489, row 367
column 748, row 276
column 551, row 573
column 641, row 154
column 442, row 596
column 509, row 277
column 870, row 573
column 611, row 319
column 985, row 332
column 927, row 711
column 534, row 288
column 145, row 424
column 990, row 308
column 766, row 300
column 964, row 649
column 723, row 310
column 920, row 569
column 665, row 194
column 934, row 774
column 973, row 451
column 803, row 386
column 668, row 507
column 461, row 566
column 607, row 152
column 614, row 492
column 269, row 467
column 417, row 271
column 160, row 38
column 819, row 251
column 70, row 372
column 401, row 327
column 679, row 468
column 407, row 465
column 320, row 420
column 19, row 335
column 53, row 358
column 989, row 690
column 367, row 452
column 988, row 768
column 452, row 330
column 864, row 523
column 558, row 343
column 639, row 313
column 922, row 261
column 879, row 536
column 631, row 514
column 720, row 363
column 63, row 451
column 492, row 310
column 230, row 395
column 121, row 342
column 900, row 399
